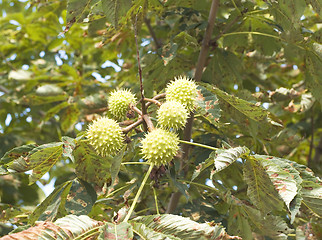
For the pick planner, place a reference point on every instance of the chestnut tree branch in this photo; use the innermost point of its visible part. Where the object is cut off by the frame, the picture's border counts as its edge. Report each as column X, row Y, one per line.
column 144, row 111
column 156, row 41
column 203, row 55
column 156, row 102
column 156, row 97
column 132, row 126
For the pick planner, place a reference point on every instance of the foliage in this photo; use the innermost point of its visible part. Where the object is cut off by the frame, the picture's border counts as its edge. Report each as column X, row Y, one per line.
column 256, row 130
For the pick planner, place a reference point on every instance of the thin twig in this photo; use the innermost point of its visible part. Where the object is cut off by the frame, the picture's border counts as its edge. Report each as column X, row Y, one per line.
column 138, row 111
column 132, row 126
column 156, row 97
column 156, row 41
column 198, row 73
column 156, row 102
column 144, row 112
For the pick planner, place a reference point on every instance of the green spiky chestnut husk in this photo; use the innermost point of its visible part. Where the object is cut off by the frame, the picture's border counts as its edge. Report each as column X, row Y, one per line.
column 159, row 146
column 172, row 114
column 183, row 90
column 118, row 102
column 105, row 136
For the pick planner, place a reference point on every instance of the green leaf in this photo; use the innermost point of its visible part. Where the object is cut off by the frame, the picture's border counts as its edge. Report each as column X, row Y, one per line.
column 246, row 108
column 208, row 105
column 51, row 204
column 115, row 9
column 202, row 166
column 76, row 11
column 73, row 197
column 46, row 158
column 175, row 227
column 51, row 112
column 68, row 227
column 43, row 154
column 285, row 178
column 238, row 223
column 169, row 52
column 81, row 198
column 293, row 9
column 70, row 117
column 116, row 164
column 68, row 147
column 91, row 167
column 225, row 157
column 245, row 219
column 312, row 196
column 113, row 231
column 182, row 187
column 317, row 6
column 260, row 189
column 313, row 76
column 17, row 153
column 311, row 191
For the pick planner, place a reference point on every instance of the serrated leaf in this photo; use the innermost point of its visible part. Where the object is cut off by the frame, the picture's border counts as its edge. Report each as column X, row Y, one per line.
column 51, row 203
column 81, row 198
column 314, row 75
column 176, row 227
column 208, row 104
column 122, row 231
column 35, row 157
column 115, row 9
column 312, row 196
column 68, row 227
column 68, row 147
column 116, row 164
column 51, row 112
column 46, row 158
column 91, row 167
column 260, row 189
column 202, row 166
column 76, row 11
column 245, row 219
column 246, row 108
column 17, row 153
column 285, row 178
column 169, row 52
column 148, row 233
column 311, row 191
column 182, row 187
column 238, row 223
column 292, row 8
column 225, row 157
column 73, row 197
column 69, row 117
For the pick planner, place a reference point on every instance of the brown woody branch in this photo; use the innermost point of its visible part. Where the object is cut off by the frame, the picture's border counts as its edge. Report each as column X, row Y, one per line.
column 203, row 55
